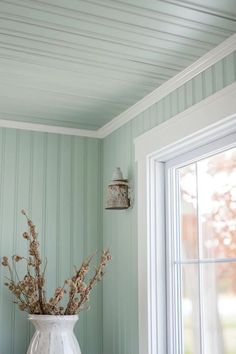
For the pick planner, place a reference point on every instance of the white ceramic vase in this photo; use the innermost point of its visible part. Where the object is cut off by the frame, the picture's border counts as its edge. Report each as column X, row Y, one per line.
column 53, row 335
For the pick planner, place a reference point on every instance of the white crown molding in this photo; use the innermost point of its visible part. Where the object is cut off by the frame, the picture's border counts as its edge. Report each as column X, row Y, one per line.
column 209, row 59
column 5, row 123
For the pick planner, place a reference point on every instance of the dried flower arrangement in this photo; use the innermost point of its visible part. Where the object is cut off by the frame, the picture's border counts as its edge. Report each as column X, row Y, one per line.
column 30, row 293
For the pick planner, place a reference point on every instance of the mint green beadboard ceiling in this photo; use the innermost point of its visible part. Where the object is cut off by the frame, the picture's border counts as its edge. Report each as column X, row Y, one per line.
column 80, row 63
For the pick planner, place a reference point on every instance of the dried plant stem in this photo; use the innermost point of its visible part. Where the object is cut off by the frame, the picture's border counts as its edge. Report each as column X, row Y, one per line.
column 40, row 288
column 77, row 279
column 83, row 298
column 30, row 293
column 97, row 276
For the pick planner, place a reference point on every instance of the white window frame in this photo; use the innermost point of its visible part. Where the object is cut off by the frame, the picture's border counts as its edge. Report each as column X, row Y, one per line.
column 173, row 238
column 211, row 119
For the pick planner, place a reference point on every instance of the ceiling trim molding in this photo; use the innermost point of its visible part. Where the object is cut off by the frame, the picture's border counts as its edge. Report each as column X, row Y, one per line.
column 44, row 128
column 207, row 60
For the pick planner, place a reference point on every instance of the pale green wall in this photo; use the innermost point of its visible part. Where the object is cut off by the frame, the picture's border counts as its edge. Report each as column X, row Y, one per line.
column 120, row 296
column 56, row 178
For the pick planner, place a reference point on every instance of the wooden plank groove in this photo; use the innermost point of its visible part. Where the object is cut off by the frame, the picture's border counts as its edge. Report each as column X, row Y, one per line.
column 55, row 48
column 94, row 10
column 203, row 9
column 151, row 39
column 161, row 59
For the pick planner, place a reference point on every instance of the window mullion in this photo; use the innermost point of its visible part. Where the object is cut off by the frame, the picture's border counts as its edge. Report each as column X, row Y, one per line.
column 172, row 281
column 178, row 257
column 199, row 232
column 177, row 268
column 171, row 268
column 206, row 261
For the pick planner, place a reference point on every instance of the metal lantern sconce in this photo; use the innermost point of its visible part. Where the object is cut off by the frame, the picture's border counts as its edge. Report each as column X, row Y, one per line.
column 118, row 194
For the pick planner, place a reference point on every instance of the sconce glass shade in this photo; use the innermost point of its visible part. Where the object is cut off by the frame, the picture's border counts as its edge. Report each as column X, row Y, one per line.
column 117, row 192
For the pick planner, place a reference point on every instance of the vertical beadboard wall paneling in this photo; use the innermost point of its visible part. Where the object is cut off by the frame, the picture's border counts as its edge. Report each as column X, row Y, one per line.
column 119, row 321
column 131, row 309
column 93, row 244
column 38, row 191
column 85, row 230
column 72, row 204
column 7, row 232
column 120, row 228
column 208, row 82
column 23, row 197
column 219, row 68
column 58, row 210
column 229, row 74
column 174, row 104
column 197, row 89
column 103, row 245
column 100, row 238
column 55, row 178
column 51, row 222
column 42, row 144
column 134, row 261
column 15, row 224
column 108, row 160
column 79, row 228
column 2, row 176
column 65, row 202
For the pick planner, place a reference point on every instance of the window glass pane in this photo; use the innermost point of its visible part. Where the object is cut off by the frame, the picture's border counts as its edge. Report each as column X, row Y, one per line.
column 219, row 308
column 190, row 309
column 216, row 178
column 206, row 212
column 188, row 211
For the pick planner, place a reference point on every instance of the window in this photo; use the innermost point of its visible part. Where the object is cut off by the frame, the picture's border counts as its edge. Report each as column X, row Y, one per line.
column 201, row 250
column 161, row 281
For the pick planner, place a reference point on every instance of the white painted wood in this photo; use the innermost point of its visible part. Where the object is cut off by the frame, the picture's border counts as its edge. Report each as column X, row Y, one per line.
column 151, row 264
column 143, row 281
column 211, row 119
column 216, row 54
column 5, row 123
column 209, row 111
column 156, row 258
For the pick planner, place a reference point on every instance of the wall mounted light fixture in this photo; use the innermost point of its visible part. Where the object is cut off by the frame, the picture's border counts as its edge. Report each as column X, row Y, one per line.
column 118, row 192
